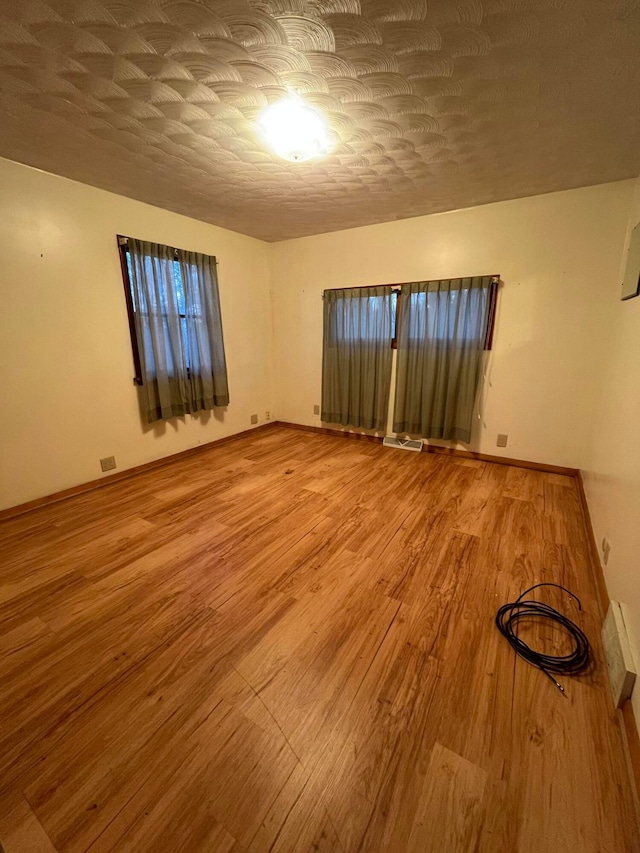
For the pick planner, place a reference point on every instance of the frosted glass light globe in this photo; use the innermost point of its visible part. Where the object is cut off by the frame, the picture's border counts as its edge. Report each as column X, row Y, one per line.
column 294, row 130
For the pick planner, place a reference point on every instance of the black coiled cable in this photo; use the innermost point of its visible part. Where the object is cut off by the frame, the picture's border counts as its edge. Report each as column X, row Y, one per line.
column 508, row 617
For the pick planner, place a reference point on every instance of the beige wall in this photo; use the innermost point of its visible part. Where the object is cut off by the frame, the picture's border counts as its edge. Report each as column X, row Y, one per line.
column 65, row 356
column 612, row 475
column 555, row 254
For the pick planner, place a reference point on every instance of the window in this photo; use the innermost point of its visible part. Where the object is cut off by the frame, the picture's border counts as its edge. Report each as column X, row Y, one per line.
column 439, row 328
column 176, row 328
column 448, row 316
column 396, row 294
column 356, row 365
column 395, row 300
column 443, row 328
column 359, row 325
column 179, row 291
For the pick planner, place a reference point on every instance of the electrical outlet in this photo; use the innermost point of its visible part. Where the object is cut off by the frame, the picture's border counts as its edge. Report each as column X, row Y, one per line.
column 267, row 416
column 606, row 550
column 108, row 463
column 502, row 440
column 316, row 410
column 254, row 419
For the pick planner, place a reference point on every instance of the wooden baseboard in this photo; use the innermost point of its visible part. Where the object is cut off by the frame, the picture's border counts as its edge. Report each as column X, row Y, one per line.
column 358, row 436
column 20, row 509
column 594, row 554
column 111, row 479
column 447, row 451
column 503, row 460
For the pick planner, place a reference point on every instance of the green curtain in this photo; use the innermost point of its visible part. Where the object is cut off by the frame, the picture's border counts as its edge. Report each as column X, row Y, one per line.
column 179, row 330
column 442, row 330
column 356, row 356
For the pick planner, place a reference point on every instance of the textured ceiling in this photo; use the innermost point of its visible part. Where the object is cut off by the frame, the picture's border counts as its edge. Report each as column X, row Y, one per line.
column 434, row 104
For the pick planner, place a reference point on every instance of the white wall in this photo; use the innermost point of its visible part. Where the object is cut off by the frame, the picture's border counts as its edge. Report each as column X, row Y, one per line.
column 612, row 475
column 555, row 254
column 66, row 370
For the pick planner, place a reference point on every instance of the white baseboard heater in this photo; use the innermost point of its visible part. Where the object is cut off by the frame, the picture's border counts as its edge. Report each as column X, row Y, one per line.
column 414, row 444
column 617, row 652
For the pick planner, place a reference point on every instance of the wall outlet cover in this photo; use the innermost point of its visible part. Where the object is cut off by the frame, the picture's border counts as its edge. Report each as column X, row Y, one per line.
column 502, row 440
column 254, row 419
column 108, row 463
column 316, row 410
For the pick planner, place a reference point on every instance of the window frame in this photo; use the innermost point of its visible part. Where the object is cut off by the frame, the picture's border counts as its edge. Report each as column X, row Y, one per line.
column 123, row 251
column 396, row 291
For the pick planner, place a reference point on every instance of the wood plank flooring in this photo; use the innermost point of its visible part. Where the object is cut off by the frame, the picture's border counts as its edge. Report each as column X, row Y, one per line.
column 286, row 644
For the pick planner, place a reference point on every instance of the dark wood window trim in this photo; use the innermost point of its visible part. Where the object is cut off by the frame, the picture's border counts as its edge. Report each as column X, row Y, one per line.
column 493, row 304
column 123, row 250
column 396, row 294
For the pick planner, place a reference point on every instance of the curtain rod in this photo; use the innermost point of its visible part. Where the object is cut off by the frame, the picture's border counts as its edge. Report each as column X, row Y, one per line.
column 124, row 241
column 495, row 279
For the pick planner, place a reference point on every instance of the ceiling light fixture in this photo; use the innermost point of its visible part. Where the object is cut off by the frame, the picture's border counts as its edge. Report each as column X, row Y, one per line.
column 294, row 130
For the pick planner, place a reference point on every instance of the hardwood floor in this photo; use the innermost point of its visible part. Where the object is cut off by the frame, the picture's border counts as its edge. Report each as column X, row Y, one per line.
column 287, row 644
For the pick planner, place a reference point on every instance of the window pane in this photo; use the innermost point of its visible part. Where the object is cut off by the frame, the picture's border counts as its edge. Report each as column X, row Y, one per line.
column 179, row 286
column 360, row 319
column 447, row 316
column 185, row 342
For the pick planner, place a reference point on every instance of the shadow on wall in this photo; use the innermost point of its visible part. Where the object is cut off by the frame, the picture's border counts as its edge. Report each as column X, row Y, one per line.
column 160, row 428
